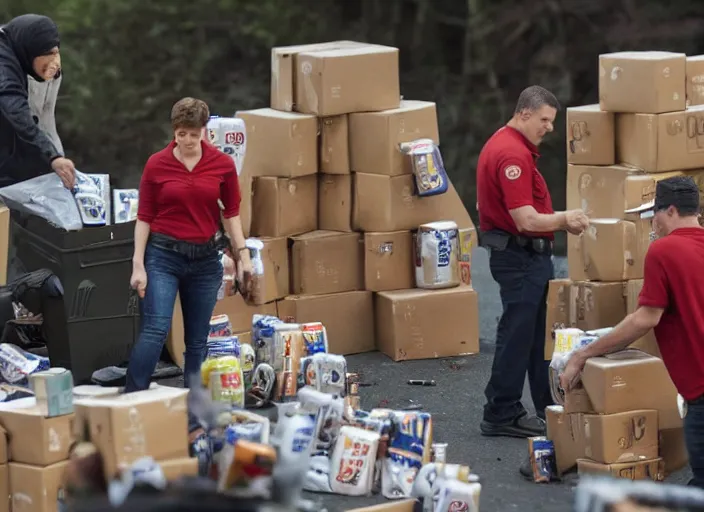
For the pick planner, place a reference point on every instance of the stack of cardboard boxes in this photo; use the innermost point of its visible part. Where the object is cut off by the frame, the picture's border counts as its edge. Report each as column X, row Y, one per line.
column 34, row 448
column 327, row 190
column 646, row 127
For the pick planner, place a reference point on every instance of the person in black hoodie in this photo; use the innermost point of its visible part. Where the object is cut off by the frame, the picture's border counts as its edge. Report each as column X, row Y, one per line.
column 29, row 46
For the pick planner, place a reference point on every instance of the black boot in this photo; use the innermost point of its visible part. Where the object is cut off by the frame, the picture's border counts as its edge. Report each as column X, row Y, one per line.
column 522, row 427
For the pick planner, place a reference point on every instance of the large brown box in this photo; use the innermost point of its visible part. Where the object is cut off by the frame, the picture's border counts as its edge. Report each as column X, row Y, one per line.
column 335, row 202
column 375, row 136
column 695, row 80
column 34, row 439
column 348, row 318
column 388, row 261
column 607, row 191
column 590, row 136
column 345, row 80
column 629, row 436
column 335, row 145
column 661, row 142
column 280, row 144
column 389, row 203
column 284, row 206
column 424, row 324
column 284, row 66
column 631, row 380
column 645, row 82
column 324, row 262
column 36, row 488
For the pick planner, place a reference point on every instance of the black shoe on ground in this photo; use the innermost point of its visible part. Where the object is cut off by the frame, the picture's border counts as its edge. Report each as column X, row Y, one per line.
column 526, row 469
column 522, row 427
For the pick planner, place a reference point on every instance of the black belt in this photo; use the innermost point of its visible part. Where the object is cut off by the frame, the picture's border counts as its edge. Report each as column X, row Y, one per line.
column 191, row 250
column 538, row 245
column 499, row 240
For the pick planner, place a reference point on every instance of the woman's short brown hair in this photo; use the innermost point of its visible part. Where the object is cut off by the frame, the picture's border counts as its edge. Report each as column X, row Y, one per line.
column 189, row 113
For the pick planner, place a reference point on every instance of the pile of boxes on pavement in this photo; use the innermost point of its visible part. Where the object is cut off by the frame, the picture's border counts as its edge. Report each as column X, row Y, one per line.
column 327, row 190
column 330, row 196
column 38, row 433
column 647, row 127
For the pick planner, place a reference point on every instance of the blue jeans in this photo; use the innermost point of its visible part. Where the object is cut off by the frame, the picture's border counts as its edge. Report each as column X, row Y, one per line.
column 522, row 276
column 694, row 439
column 197, row 281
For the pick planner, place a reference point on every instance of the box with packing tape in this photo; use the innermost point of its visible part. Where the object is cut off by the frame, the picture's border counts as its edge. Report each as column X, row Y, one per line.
column 626, row 381
column 584, row 305
column 647, row 82
column 127, row 427
column 661, row 142
column 590, row 136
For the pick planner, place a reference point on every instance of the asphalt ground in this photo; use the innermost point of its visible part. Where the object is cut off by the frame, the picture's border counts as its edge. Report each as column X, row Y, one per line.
column 456, row 405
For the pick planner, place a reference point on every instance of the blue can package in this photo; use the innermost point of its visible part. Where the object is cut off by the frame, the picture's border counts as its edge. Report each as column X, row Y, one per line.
column 427, row 165
column 542, row 459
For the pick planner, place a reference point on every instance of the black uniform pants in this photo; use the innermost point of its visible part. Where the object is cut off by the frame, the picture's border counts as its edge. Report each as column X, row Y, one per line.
column 522, row 274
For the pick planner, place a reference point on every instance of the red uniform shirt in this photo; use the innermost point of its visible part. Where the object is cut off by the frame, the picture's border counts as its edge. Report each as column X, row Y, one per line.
column 183, row 204
column 508, row 178
column 674, row 281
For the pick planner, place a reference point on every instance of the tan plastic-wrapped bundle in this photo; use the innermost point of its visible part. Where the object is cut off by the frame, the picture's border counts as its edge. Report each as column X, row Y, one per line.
column 437, row 251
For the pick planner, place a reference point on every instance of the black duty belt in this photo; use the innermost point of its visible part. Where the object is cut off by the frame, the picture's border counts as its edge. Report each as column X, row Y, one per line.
column 499, row 240
column 191, row 250
column 539, row 245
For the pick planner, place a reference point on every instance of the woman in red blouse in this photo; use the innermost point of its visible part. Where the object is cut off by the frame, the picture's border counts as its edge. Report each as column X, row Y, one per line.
column 176, row 241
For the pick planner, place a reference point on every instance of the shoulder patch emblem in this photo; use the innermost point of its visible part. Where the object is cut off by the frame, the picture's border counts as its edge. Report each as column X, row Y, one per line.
column 512, row 172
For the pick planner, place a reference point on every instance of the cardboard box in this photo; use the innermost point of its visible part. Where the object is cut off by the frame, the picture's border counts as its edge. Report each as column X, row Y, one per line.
column 557, row 312
column 590, row 136
column 577, row 401
column 607, row 192
column 345, row 80
column 646, row 82
column 664, row 142
column 673, row 450
column 282, row 144
column 276, row 283
column 425, row 324
column 389, row 203
column 127, row 427
column 375, row 137
column 36, row 489
column 325, row 262
column 695, row 80
column 5, row 500
column 586, row 305
column 284, row 65
column 3, row 446
column 334, row 145
column 388, row 261
column 623, row 437
column 246, row 183
column 631, row 380
column 175, row 469
column 647, row 343
column 239, row 313
column 595, row 305
column 575, row 261
column 348, row 318
column 643, row 470
column 34, row 439
column 612, row 249
column 564, row 430
column 284, row 206
column 335, row 202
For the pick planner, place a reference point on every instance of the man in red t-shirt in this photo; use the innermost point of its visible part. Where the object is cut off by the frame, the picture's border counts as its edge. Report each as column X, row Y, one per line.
column 671, row 304
column 517, row 223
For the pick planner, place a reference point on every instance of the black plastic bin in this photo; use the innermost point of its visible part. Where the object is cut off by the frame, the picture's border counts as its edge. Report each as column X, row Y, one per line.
column 96, row 323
